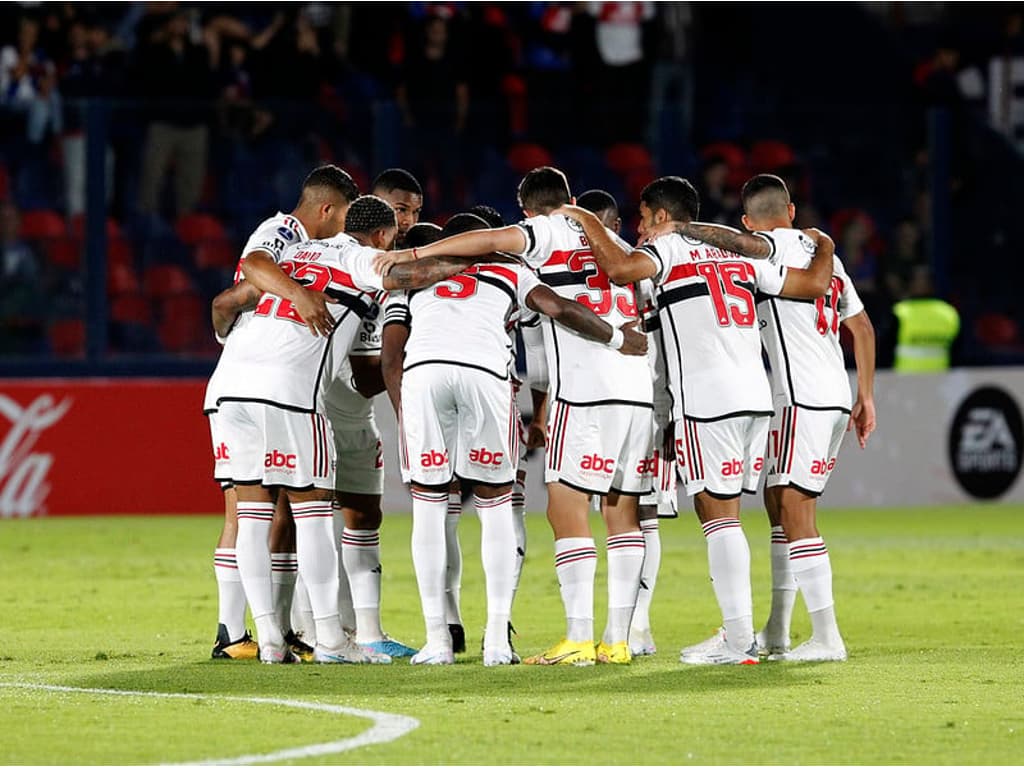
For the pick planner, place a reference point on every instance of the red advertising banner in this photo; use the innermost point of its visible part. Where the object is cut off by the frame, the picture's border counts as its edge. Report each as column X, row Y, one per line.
column 105, row 447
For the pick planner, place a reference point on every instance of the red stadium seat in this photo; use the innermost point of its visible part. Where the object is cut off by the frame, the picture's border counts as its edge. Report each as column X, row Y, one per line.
column 42, row 225
column 625, row 158
column 195, row 227
column 119, row 251
column 121, row 279
column 768, row 156
column 65, row 252
column 215, row 254
column 78, row 227
column 163, row 280
column 733, row 156
column 523, row 158
column 182, row 323
column 5, row 184
column 131, row 308
column 996, row 330
column 67, row 338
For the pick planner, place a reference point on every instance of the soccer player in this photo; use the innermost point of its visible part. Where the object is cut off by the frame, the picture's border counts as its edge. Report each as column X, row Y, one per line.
column 359, row 479
column 661, row 501
column 813, row 411
column 270, row 384
column 402, row 192
column 320, row 213
column 456, row 404
column 599, row 427
column 720, row 392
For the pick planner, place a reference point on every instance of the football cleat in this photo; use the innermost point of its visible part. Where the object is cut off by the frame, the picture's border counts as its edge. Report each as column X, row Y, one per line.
column 774, row 647
column 616, row 653
column 458, row 638
column 349, row 653
column 717, row 651
column 701, row 647
column 226, row 648
column 497, row 657
column 578, row 654
column 434, row 655
column 299, row 648
column 270, row 654
column 390, row 647
column 813, row 650
column 641, row 643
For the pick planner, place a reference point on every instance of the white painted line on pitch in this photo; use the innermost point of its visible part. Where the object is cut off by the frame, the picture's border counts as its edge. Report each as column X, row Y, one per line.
column 386, row 726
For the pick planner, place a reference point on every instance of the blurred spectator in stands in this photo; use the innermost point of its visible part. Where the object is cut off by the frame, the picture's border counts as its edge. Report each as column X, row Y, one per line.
column 560, row 86
column 906, row 271
column 433, row 95
column 854, row 233
column 22, row 300
column 624, row 71
column 28, row 83
column 93, row 69
column 174, row 73
column 719, row 194
column 671, row 104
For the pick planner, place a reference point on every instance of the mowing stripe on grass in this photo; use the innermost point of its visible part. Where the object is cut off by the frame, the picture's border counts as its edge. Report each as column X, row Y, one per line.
column 386, row 726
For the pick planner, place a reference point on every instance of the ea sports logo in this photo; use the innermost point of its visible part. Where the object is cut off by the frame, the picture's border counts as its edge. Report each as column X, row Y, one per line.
column 985, row 442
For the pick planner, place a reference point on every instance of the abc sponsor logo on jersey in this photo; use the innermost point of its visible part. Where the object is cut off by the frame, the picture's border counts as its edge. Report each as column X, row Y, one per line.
column 985, row 442
column 281, row 461
column 24, row 472
column 734, row 467
column 485, row 458
column 434, row 459
column 597, row 465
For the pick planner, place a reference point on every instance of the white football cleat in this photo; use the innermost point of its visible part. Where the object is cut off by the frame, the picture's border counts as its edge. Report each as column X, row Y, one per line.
column 498, row 657
column 434, row 655
column 814, row 650
column 769, row 648
column 641, row 643
column 717, row 651
column 348, row 653
column 700, row 648
column 277, row 654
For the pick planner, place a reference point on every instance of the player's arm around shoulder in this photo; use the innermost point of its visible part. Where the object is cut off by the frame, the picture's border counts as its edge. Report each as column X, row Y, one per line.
column 621, row 263
column 230, row 303
column 263, row 272
column 573, row 315
column 812, row 282
column 753, row 246
column 467, row 245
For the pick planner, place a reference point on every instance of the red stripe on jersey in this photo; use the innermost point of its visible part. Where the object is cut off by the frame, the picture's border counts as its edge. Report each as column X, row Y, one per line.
column 508, row 274
column 681, row 272
column 558, row 258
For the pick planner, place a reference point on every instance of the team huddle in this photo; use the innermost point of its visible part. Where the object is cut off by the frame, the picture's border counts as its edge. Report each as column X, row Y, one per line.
column 644, row 365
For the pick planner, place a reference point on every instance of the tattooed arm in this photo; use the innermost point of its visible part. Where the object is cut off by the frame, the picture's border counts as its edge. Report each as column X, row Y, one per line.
column 728, row 239
column 408, row 275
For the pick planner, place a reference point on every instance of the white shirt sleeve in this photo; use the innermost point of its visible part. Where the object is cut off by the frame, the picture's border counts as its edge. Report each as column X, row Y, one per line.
column 273, row 238
column 527, row 282
column 661, row 260
column 537, row 230
column 360, row 262
column 850, row 303
column 770, row 275
column 396, row 309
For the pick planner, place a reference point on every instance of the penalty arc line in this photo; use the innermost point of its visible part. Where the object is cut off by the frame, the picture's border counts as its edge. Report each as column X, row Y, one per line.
column 386, row 727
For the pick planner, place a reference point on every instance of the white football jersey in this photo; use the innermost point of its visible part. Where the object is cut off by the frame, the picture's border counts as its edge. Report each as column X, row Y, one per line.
column 655, row 354
column 273, row 236
column 709, row 327
column 582, row 371
column 274, row 358
column 801, row 336
column 465, row 320
column 345, row 407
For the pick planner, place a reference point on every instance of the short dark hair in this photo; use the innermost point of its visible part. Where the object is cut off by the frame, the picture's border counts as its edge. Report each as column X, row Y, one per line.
column 490, row 215
column 674, row 195
column 543, row 189
column 772, row 196
column 397, row 178
column 463, row 222
column 334, row 178
column 368, row 214
column 597, row 200
column 422, row 233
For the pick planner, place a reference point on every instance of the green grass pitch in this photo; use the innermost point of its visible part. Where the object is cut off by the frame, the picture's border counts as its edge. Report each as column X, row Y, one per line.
column 931, row 602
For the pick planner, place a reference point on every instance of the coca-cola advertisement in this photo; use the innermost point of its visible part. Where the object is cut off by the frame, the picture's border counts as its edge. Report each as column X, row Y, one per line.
column 105, row 446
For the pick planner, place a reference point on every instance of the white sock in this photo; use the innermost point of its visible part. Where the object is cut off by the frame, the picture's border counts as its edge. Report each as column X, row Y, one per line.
column 252, row 552
column 625, row 563
column 453, row 571
column 318, row 564
column 812, row 570
column 519, row 521
column 783, row 590
column 302, row 613
column 729, row 564
column 284, row 568
column 429, row 509
column 360, row 553
column 498, row 554
column 230, row 592
column 346, row 611
column 575, row 566
column 649, row 575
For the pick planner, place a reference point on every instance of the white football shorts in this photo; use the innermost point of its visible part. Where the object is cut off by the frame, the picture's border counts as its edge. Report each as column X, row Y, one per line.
column 263, row 444
column 600, row 448
column 663, row 478
column 457, row 421
column 802, row 447
column 724, row 457
column 360, row 465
